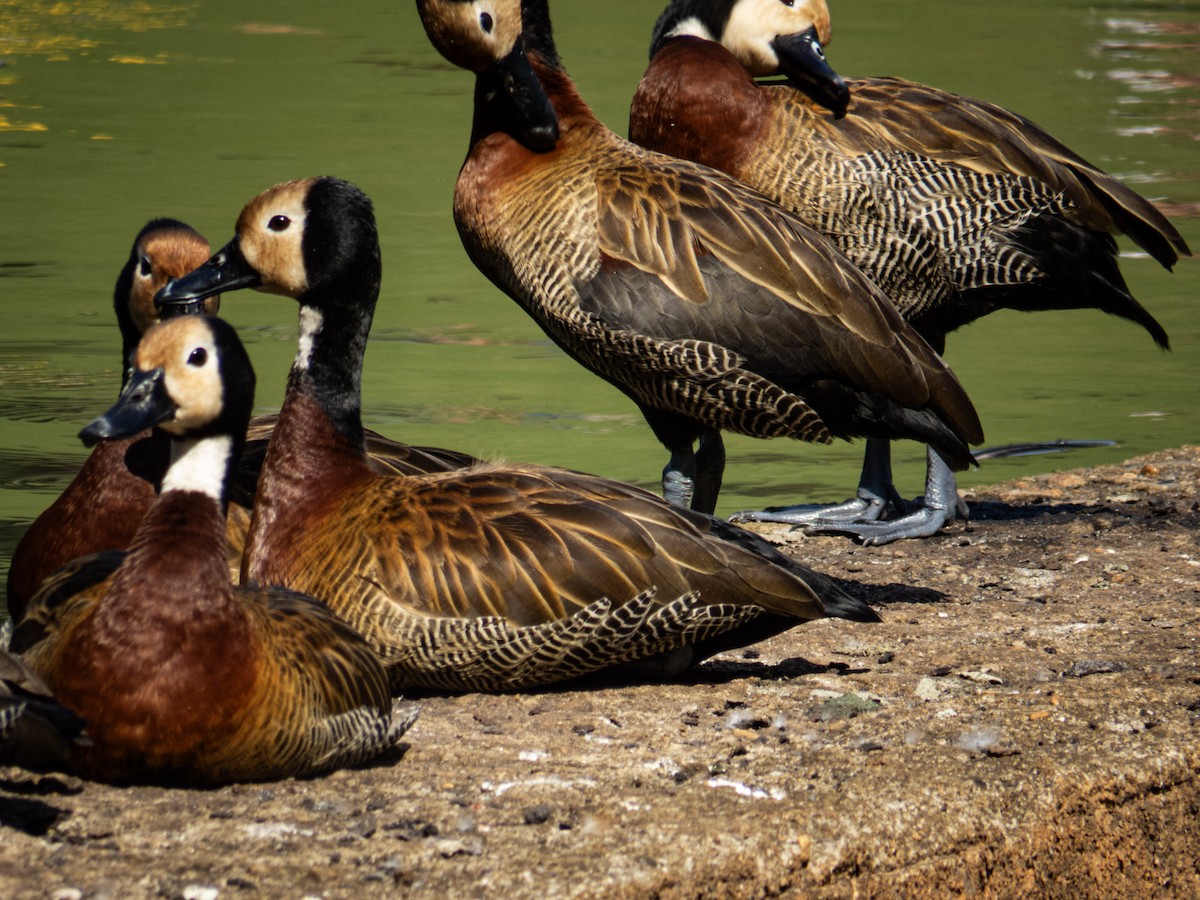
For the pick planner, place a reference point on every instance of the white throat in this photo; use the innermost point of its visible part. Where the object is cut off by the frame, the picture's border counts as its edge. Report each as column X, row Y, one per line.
column 311, row 322
column 199, row 464
column 690, row 27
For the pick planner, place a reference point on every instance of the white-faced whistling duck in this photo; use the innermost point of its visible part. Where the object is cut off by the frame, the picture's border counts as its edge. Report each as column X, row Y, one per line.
column 103, row 505
column 709, row 305
column 493, row 577
column 953, row 206
column 36, row 732
column 180, row 676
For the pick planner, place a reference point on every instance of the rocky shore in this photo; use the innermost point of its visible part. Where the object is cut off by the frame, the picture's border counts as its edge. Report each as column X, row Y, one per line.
column 1026, row 721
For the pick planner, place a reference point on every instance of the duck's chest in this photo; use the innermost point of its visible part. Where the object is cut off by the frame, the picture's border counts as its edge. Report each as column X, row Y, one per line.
column 525, row 218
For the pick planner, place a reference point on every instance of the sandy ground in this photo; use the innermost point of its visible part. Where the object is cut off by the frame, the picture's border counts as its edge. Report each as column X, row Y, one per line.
column 1025, row 721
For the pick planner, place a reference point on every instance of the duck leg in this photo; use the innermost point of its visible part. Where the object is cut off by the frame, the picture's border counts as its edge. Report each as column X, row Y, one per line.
column 874, row 497
column 942, row 507
column 679, row 478
column 710, row 471
column 692, row 478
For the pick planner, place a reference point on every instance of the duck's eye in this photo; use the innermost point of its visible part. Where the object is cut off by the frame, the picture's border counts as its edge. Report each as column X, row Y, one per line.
column 198, row 357
column 790, row 4
column 485, row 22
column 144, row 267
column 279, row 223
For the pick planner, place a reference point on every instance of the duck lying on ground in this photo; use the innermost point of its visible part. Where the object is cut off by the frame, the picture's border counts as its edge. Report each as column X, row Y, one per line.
column 180, row 676
column 491, row 577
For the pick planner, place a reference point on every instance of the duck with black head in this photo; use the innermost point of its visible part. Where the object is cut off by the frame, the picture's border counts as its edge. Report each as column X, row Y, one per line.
column 180, row 676
column 492, row 577
column 710, row 306
column 953, row 206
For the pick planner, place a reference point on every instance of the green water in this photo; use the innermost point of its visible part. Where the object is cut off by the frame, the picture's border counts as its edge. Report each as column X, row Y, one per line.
column 112, row 113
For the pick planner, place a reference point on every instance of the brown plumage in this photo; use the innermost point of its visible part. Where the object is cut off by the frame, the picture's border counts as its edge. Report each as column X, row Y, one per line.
column 953, row 206
column 103, row 505
column 180, row 677
column 489, row 577
column 36, row 731
column 709, row 306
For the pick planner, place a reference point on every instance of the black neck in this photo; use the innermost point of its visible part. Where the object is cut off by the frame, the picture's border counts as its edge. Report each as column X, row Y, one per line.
column 537, row 32
column 332, row 372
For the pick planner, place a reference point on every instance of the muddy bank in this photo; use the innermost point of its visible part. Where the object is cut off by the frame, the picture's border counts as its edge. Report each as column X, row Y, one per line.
column 1026, row 719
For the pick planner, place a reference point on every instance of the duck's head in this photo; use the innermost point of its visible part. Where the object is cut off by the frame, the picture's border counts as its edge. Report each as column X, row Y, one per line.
column 313, row 240
column 164, row 249
column 768, row 37
column 488, row 37
column 191, row 377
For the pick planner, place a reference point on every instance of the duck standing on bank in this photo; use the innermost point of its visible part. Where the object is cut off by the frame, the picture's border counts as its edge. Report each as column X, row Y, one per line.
column 710, row 306
column 180, row 676
column 954, row 207
column 492, row 577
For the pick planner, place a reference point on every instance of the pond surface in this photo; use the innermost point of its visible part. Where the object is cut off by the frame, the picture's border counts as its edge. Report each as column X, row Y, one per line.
column 113, row 113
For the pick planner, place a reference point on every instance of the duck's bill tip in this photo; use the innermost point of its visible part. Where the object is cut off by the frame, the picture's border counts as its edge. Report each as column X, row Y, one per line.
column 143, row 404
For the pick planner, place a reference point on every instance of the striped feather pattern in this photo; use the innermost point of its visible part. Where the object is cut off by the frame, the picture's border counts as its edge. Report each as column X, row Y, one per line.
column 953, row 206
column 412, row 562
column 625, row 258
column 490, row 653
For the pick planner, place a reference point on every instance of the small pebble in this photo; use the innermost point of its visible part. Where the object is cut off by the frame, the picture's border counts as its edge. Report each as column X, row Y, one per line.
column 1084, row 667
column 536, row 815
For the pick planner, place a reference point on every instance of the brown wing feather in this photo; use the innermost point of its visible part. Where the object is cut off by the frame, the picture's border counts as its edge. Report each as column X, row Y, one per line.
column 846, row 327
column 403, row 550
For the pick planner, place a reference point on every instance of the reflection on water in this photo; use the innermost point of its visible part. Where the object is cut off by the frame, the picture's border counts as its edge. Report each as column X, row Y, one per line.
column 111, row 114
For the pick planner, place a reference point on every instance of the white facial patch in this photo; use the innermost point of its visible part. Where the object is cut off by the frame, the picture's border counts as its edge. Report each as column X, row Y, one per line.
column 199, row 464
column 185, row 349
column 754, row 24
column 271, row 237
column 473, row 35
column 193, row 381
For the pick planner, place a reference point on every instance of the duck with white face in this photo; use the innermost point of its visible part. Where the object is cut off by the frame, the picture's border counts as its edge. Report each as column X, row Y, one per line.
column 495, row 577
column 180, row 676
column 101, row 508
column 768, row 37
column 710, row 306
column 953, row 207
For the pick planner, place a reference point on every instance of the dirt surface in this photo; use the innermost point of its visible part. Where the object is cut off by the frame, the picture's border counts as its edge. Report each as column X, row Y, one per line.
column 1025, row 721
